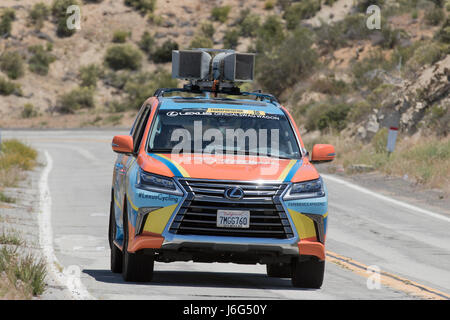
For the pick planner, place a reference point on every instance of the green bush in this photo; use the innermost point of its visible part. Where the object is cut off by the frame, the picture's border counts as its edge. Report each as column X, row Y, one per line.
column 269, row 5
column 147, row 43
column 143, row 85
column 250, row 25
column 89, row 75
column 38, row 14
column 362, row 69
column 40, row 60
column 359, row 111
column 329, row 86
column 270, row 35
column 434, row 16
column 11, row 62
column 287, row 63
column 329, row 115
column 143, row 6
column 220, row 13
column 201, row 42
column 8, row 87
column 427, row 53
column 231, row 39
column 123, row 56
column 59, row 12
column 207, row 30
column 362, row 5
column 299, row 11
column 7, row 16
column 379, row 140
column 444, row 33
column 28, row 111
column 120, row 36
column 76, row 99
column 163, row 53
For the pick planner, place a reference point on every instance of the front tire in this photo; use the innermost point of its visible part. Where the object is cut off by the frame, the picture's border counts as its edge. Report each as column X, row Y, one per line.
column 116, row 254
column 279, row 270
column 308, row 274
column 137, row 267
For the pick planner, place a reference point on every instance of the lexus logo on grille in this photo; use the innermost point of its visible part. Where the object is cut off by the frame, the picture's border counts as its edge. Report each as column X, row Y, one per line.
column 234, row 193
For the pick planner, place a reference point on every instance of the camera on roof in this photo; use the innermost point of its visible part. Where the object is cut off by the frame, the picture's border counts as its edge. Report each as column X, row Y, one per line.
column 226, row 66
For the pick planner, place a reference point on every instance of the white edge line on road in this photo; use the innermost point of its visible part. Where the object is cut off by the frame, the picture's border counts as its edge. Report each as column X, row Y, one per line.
column 65, row 278
column 386, row 198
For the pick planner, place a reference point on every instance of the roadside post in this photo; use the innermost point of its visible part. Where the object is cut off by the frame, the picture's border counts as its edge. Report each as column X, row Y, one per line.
column 392, row 138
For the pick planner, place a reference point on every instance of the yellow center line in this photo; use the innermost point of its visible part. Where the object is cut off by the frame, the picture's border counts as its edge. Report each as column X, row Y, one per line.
column 388, row 279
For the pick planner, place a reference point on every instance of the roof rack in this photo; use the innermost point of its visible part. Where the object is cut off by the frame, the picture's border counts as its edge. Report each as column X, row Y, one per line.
column 189, row 88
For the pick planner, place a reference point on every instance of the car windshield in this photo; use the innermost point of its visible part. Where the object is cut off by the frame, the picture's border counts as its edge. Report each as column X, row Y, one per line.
column 223, row 131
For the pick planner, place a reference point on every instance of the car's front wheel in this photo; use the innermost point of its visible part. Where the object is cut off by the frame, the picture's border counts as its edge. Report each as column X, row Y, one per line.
column 308, row 274
column 137, row 267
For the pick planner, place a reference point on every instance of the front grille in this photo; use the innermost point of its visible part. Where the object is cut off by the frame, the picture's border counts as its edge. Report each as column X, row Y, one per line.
column 198, row 214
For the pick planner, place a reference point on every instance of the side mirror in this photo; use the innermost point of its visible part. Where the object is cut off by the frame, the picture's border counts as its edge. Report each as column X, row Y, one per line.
column 322, row 153
column 123, row 144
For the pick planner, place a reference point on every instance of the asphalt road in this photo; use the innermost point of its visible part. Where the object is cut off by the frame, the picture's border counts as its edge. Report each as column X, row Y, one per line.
column 410, row 247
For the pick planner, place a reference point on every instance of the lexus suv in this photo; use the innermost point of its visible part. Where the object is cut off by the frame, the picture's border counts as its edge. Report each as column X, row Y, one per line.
column 208, row 179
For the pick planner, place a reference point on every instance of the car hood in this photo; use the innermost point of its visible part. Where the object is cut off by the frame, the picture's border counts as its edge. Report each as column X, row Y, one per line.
column 237, row 167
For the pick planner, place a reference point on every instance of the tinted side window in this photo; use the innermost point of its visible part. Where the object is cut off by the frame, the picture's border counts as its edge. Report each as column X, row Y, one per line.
column 140, row 127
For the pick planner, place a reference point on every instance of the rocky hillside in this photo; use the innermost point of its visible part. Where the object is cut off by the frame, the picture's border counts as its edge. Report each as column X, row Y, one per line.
column 319, row 57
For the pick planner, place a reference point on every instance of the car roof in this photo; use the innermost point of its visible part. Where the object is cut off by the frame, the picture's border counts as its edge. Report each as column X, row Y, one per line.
column 179, row 103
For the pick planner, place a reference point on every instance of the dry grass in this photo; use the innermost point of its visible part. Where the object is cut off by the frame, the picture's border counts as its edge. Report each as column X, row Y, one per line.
column 15, row 157
column 21, row 276
column 425, row 160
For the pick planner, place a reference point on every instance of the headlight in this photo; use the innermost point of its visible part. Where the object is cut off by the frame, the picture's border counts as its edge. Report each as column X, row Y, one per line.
column 307, row 189
column 153, row 182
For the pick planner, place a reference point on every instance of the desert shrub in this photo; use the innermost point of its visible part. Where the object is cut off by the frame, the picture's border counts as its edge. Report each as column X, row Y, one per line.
column 76, row 99
column 438, row 119
column 8, row 87
column 143, row 85
column 147, row 42
column 11, row 62
column 330, row 115
column 231, row 39
column 38, row 14
column 201, row 42
column 143, row 6
column 270, row 34
column 28, row 111
column 444, row 33
column 59, row 12
column 359, row 111
column 434, row 16
column 362, row 5
column 285, row 65
column 123, row 56
column 207, row 30
column 301, row 10
column 120, row 36
column 379, row 140
column 329, row 86
column 89, row 75
column 269, row 5
column 427, row 53
column 220, row 13
column 249, row 25
column 163, row 53
column 40, row 60
column 365, row 71
column 7, row 16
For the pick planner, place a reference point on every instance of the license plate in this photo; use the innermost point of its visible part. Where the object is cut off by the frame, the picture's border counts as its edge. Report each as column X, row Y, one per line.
column 233, row 219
